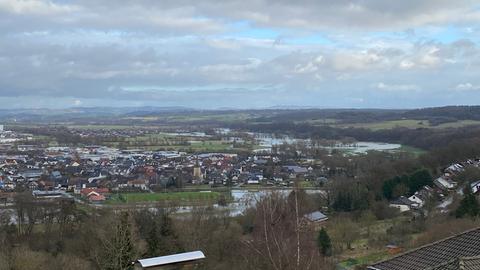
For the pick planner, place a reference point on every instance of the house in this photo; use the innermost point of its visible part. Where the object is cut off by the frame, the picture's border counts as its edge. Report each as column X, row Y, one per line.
column 420, row 197
column 455, row 168
column 95, row 197
column 316, row 219
column 177, row 261
column 393, row 249
column 461, row 251
column 295, row 169
column 138, row 184
column 87, row 191
column 403, row 204
column 475, row 186
column 444, row 183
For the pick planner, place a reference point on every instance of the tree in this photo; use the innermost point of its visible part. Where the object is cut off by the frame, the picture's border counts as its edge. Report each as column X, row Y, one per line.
column 324, row 243
column 118, row 248
column 277, row 237
column 159, row 233
column 419, row 179
column 468, row 205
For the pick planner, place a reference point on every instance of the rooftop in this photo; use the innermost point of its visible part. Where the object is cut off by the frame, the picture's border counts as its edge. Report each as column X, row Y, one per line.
column 172, row 259
column 457, row 248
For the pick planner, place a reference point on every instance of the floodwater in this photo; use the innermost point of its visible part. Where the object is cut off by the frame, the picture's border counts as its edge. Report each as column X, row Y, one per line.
column 267, row 141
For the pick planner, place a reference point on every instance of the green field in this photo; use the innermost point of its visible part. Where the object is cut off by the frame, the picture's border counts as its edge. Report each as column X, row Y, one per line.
column 175, row 197
column 407, row 123
column 410, row 149
column 410, row 123
column 104, row 127
column 351, row 263
column 458, row 124
column 195, row 117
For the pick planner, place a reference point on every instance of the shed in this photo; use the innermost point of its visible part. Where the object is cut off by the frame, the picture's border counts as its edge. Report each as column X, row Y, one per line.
column 177, row 261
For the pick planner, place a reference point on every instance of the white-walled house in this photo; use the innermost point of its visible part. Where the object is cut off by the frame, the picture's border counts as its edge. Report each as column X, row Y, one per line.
column 444, row 183
column 403, row 204
column 475, row 186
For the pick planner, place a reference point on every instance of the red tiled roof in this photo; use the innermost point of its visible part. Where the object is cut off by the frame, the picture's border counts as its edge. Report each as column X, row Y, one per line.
column 86, row 191
column 96, row 198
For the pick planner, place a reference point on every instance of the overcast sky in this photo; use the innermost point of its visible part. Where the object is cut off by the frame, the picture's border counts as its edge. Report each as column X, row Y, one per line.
column 239, row 53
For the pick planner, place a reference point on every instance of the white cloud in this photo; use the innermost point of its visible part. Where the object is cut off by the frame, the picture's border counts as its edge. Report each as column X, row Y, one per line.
column 467, row 87
column 407, row 64
column 81, row 50
column 36, row 7
column 357, row 60
column 397, row 87
column 311, row 66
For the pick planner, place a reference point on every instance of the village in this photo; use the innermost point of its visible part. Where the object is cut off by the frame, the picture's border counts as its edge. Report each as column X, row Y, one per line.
column 97, row 174
column 121, row 176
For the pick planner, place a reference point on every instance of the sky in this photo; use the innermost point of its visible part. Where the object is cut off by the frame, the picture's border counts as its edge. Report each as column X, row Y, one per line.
column 243, row 54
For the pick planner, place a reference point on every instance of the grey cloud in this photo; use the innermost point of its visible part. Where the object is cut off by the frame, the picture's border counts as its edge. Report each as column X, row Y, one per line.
column 212, row 16
column 174, row 53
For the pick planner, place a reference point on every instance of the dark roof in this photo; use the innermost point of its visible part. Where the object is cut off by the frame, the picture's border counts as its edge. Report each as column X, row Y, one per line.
column 402, row 201
column 467, row 263
column 316, row 216
column 438, row 255
column 295, row 169
column 472, row 263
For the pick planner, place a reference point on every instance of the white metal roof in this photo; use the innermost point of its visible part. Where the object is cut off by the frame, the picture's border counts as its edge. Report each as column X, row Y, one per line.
column 172, row 259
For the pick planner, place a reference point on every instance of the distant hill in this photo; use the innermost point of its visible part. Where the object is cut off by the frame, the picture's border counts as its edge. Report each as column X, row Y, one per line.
column 119, row 115
column 440, row 115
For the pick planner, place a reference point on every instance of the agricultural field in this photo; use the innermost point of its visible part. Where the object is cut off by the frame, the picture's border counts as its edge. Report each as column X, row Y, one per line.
column 409, row 123
column 459, row 124
column 406, row 123
column 194, row 117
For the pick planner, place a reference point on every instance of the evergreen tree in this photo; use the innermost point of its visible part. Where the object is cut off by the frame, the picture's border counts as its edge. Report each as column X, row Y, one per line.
column 468, row 206
column 168, row 238
column 419, row 179
column 324, row 243
column 153, row 242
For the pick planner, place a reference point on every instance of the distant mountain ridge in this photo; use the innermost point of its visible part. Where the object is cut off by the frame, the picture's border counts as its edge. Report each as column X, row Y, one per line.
column 436, row 115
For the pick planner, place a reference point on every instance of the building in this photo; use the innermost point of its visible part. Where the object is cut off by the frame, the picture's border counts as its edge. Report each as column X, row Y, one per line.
column 420, row 197
column 177, row 261
column 315, row 219
column 197, row 172
column 444, row 183
column 403, row 204
column 475, row 186
column 461, row 251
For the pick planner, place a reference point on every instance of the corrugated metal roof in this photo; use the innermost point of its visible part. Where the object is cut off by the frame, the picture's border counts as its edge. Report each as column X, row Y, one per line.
column 316, row 216
column 172, row 259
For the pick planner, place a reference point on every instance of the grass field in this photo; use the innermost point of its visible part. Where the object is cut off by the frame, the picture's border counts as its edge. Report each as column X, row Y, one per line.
column 363, row 260
column 410, row 123
column 104, row 127
column 195, row 117
column 178, row 197
column 407, row 123
column 459, row 124
column 410, row 149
